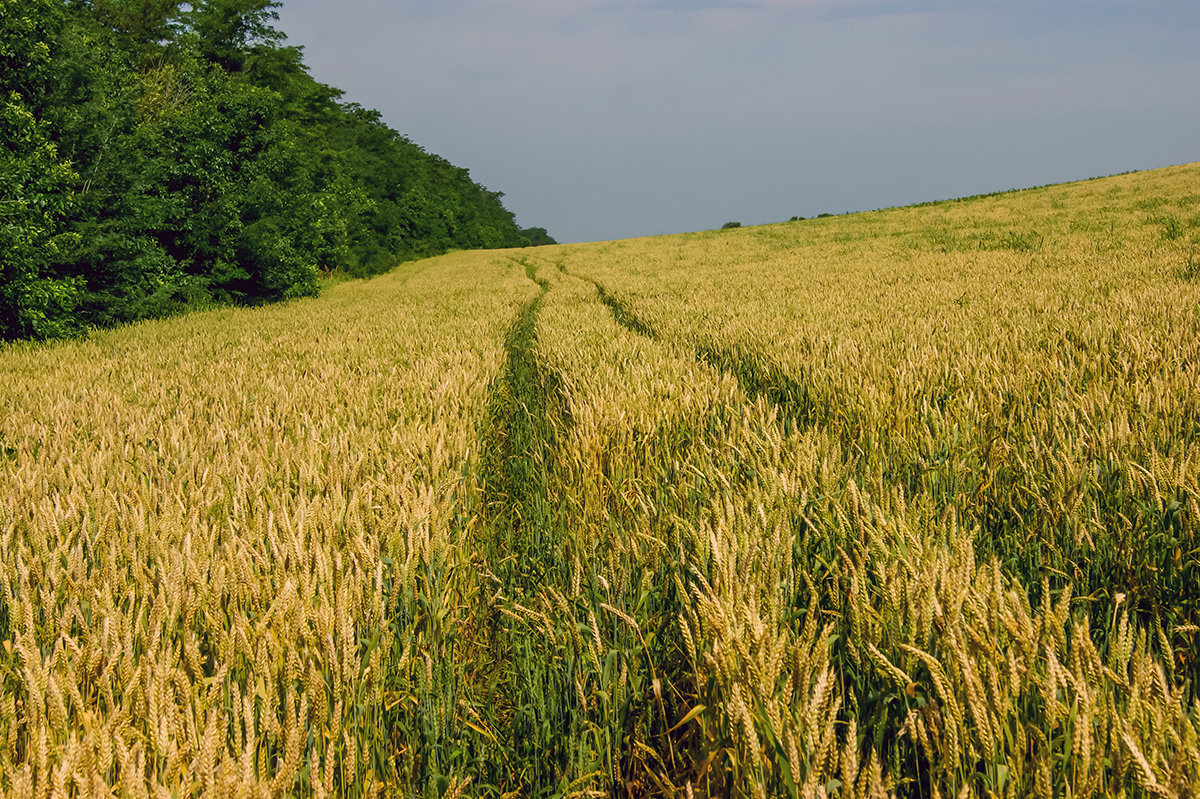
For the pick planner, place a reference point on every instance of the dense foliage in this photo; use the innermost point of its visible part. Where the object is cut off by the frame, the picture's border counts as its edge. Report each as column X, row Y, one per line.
column 162, row 155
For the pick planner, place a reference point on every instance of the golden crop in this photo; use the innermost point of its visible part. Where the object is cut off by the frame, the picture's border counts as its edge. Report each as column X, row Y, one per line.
column 899, row 503
column 208, row 523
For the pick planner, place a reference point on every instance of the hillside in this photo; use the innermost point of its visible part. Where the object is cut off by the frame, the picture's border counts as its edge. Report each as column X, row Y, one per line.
column 896, row 503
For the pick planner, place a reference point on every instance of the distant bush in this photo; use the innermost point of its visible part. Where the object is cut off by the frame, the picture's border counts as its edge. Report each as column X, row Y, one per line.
column 796, row 219
column 537, row 236
column 822, row 216
column 730, row 225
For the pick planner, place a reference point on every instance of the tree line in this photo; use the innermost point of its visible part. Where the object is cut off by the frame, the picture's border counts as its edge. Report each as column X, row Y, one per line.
column 163, row 155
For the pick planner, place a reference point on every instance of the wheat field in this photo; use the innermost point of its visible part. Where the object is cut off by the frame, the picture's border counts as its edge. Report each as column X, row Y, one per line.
column 901, row 503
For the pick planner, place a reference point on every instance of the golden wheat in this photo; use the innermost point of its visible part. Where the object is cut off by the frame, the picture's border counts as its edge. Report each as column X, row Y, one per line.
column 895, row 504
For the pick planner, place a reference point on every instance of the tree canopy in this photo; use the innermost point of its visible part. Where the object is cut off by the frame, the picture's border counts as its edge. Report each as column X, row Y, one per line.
column 162, row 155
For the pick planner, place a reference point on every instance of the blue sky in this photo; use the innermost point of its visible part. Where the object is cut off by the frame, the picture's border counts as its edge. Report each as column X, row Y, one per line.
column 604, row 119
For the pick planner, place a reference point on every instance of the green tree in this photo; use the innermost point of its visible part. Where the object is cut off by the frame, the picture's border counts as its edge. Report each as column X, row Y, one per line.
column 161, row 155
column 140, row 20
column 35, row 183
column 231, row 31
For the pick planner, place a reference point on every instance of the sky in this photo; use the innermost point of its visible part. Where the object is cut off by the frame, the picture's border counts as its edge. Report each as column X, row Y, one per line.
column 607, row 119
